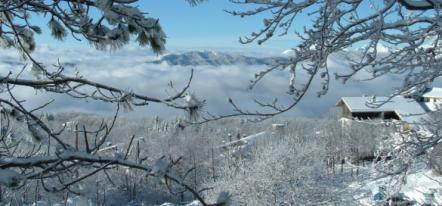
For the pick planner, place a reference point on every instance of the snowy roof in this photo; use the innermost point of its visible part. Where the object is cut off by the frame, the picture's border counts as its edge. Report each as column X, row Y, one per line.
column 433, row 106
column 434, row 92
column 409, row 110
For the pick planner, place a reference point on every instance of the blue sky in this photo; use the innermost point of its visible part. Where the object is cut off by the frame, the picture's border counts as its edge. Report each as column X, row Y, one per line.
column 204, row 26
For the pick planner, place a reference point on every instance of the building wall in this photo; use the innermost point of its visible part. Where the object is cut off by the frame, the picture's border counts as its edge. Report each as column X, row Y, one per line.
column 345, row 111
column 429, row 99
column 435, row 99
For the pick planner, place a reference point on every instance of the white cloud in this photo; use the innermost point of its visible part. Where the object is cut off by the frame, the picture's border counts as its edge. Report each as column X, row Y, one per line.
column 128, row 69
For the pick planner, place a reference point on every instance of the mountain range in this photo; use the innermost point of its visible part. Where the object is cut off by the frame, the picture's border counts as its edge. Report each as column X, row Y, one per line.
column 196, row 58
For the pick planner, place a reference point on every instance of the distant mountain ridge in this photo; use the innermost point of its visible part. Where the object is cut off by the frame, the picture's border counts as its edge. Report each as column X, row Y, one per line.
column 196, row 58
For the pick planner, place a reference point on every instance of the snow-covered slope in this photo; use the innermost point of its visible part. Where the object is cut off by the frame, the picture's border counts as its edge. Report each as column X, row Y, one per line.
column 288, row 52
column 196, row 58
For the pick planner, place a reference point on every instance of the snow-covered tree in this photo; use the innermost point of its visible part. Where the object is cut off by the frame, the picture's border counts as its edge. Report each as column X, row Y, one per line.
column 398, row 37
column 408, row 32
column 57, row 163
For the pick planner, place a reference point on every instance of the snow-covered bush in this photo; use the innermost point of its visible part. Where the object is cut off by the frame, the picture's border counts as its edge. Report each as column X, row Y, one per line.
column 59, row 156
column 281, row 170
column 275, row 167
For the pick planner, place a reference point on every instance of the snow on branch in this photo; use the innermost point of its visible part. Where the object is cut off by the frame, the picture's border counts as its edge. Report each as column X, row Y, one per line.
column 43, row 155
column 411, row 40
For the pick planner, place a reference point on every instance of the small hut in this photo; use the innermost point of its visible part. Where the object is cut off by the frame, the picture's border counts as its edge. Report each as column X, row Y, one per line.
column 384, row 108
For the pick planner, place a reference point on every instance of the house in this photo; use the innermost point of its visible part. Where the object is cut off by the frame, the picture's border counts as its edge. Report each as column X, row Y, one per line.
column 403, row 108
column 398, row 108
column 432, row 94
column 432, row 98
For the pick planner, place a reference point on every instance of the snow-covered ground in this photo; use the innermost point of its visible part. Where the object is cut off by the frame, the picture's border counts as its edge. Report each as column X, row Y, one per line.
column 422, row 186
column 194, row 203
column 258, row 164
column 78, row 201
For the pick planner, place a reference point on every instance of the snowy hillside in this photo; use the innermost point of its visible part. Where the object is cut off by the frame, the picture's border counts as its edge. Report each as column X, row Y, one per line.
column 197, row 58
column 274, row 162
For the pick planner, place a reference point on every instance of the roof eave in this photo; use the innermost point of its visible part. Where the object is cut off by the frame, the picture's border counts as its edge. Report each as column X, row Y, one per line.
column 345, row 103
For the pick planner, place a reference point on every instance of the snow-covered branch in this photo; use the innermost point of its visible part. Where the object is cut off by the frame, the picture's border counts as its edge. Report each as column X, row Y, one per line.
column 48, row 157
column 410, row 41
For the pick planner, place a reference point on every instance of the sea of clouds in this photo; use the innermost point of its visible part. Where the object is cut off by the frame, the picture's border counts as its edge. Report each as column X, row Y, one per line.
column 130, row 69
